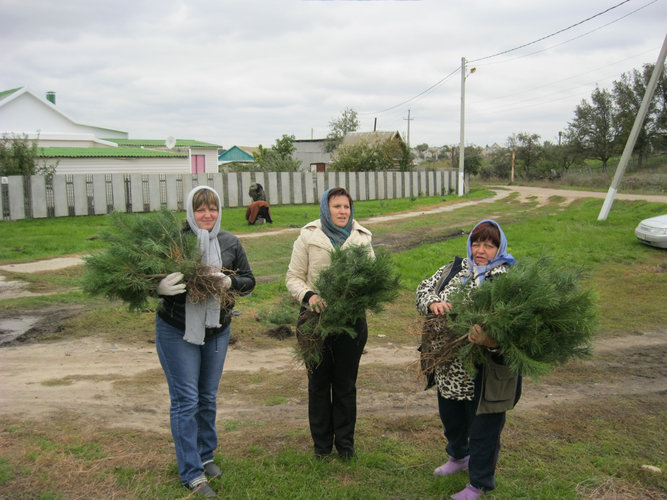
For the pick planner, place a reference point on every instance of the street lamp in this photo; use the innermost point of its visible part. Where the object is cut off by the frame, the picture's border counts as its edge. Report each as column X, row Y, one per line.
column 461, row 189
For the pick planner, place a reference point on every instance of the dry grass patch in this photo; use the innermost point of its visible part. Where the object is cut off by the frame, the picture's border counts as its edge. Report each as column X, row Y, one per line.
column 66, row 457
column 71, row 379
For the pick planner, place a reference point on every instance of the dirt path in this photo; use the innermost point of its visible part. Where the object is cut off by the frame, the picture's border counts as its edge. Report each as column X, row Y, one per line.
column 81, row 375
column 78, row 376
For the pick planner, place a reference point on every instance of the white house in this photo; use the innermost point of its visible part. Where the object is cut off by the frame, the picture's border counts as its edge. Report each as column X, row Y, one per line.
column 80, row 148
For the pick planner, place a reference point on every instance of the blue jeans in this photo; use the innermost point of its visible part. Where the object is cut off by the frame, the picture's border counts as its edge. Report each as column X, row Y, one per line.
column 193, row 374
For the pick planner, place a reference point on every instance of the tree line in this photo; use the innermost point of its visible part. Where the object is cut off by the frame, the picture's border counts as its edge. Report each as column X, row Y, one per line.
column 598, row 130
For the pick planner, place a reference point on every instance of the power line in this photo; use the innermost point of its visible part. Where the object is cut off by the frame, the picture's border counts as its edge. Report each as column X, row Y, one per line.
column 522, row 95
column 438, row 83
column 424, row 92
column 552, row 34
column 570, row 39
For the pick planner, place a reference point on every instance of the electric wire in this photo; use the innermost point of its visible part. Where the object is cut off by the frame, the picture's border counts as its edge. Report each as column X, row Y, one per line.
column 569, row 39
column 414, row 98
column 503, row 52
column 552, row 34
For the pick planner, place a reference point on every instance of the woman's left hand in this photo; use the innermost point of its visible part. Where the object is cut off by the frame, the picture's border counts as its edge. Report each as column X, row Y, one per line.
column 316, row 303
column 476, row 335
column 225, row 281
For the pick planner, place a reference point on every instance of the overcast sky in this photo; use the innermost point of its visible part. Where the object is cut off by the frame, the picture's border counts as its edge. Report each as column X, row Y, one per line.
column 246, row 72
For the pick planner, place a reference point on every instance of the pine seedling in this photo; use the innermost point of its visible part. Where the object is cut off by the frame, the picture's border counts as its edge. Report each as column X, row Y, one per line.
column 354, row 282
column 539, row 313
column 143, row 249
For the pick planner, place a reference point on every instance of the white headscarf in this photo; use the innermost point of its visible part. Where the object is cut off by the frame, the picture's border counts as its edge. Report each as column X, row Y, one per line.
column 204, row 314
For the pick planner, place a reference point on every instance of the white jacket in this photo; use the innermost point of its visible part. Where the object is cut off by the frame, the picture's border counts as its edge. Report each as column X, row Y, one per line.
column 312, row 253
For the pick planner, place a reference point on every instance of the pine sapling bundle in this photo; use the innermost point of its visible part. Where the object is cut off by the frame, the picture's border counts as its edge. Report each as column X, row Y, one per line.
column 354, row 282
column 141, row 251
column 538, row 312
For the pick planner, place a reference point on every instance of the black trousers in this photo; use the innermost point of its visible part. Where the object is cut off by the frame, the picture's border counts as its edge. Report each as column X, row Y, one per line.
column 332, row 392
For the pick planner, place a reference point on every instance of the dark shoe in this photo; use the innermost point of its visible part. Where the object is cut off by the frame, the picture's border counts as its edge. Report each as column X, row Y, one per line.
column 322, row 456
column 201, row 488
column 212, row 470
column 347, row 455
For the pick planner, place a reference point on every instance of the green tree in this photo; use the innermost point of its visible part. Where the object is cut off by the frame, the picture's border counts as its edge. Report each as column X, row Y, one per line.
column 593, row 129
column 499, row 164
column 556, row 159
column 338, row 128
column 566, row 154
column 279, row 157
column 387, row 155
column 20, row 156
column 628, row 95
column 529, row 152
column 284, row 146
column 472, row 159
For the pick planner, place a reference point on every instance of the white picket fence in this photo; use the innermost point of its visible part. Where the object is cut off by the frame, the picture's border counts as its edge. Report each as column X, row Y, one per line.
column 38, row 196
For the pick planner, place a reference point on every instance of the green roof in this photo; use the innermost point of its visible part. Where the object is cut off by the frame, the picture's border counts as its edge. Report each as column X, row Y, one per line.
column 6, row 93
column 55, row 152
column 160, row 143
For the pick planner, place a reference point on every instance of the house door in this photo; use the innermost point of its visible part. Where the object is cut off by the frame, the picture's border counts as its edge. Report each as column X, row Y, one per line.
column 198, row 163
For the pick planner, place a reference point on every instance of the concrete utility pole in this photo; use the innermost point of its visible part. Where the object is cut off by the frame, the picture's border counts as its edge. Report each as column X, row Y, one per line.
column 461, row 186
column 634, row 133
column 463, row 120
column 409, row 120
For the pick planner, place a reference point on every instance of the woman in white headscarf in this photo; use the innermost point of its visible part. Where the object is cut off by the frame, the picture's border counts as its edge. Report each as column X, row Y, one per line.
column 192, row 339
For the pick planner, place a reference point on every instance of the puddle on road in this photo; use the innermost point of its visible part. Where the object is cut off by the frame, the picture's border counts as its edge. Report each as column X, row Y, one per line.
column 13, row 328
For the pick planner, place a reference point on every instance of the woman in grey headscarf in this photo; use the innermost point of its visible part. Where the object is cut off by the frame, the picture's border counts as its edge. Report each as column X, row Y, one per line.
column 332, row 392
column 192, row 339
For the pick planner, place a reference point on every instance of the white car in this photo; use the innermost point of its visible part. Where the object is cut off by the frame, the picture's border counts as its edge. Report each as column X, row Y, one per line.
column 653, row 231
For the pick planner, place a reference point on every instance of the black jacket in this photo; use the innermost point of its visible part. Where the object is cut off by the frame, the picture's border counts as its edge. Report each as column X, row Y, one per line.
column 172, row 308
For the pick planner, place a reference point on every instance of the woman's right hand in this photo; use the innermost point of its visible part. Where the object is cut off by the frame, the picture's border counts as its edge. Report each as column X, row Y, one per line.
column 439, row 308
column 316, row 303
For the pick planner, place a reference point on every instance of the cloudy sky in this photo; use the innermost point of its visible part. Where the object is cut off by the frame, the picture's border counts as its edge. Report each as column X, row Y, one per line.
column 248, row 71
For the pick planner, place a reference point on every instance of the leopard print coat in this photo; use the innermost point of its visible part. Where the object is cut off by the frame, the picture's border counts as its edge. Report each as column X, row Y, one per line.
column 454, row 382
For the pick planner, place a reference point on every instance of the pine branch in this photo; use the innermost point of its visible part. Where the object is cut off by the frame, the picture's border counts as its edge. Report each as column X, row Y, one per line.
column 352, row 284
column 143, row 249
column 538, row 312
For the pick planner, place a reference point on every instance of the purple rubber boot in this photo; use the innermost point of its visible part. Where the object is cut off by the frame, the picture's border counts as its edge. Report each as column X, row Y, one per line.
column 452, row 466
column 468, row 493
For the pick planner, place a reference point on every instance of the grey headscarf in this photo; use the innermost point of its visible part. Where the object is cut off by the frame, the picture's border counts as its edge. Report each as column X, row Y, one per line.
column 204, row 314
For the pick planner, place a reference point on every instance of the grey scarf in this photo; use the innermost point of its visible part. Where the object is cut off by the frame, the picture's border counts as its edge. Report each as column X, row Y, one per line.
column 204, row 314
